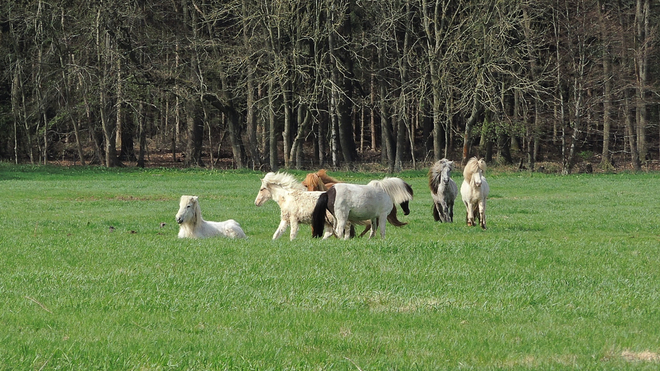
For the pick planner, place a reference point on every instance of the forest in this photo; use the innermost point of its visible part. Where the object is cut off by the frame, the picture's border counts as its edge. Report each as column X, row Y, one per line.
column 270, row 84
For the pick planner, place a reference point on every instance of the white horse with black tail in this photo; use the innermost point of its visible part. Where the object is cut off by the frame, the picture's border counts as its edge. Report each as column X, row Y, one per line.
column 296, row 203
column 355, row 203
column 474, row 191
column 192, row 225
column 443, row 190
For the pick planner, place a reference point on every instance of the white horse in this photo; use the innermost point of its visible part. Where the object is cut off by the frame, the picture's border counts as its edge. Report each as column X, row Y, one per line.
column 355, row 203
column 192, row 225
column 443, row 190
column 296, row 203
column 474, row 191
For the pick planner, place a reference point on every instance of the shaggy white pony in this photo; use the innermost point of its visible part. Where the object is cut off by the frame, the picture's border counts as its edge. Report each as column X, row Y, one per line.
column 296, row 203
column 474, row 192
column 191, row 224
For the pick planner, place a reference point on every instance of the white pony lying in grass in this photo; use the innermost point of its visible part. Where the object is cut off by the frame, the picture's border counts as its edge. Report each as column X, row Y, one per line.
column 191, row 224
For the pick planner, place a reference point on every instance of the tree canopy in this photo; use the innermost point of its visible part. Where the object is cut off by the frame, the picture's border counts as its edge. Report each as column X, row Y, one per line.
column 291, row 83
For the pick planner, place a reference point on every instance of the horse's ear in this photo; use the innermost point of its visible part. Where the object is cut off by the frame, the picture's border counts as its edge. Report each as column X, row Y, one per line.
column 195, row 198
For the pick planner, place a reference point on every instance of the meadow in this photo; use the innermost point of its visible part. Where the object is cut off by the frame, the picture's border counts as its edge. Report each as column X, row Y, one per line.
column 567, row 276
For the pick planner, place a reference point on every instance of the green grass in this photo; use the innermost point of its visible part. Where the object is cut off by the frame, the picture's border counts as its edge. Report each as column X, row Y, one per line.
column 566, row 277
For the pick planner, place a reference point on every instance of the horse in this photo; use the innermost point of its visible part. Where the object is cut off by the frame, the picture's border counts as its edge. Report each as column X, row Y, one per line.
column 474, row 191
column 296, row 203
column 356, row 203
column 192, row 225
column 319, row 181
column 443, row 190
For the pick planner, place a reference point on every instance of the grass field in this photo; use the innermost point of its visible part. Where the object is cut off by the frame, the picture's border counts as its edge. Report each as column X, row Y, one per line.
column 566, row 277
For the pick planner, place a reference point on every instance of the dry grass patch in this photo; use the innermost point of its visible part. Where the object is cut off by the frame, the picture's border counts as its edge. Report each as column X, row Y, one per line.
column 645, row 356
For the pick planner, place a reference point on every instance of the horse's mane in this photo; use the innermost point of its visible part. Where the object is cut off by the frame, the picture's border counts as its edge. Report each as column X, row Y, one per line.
column 187, row 229
column 435, row 174
column 472, row 167
column 283, row 180
column 326, row 178
column 198, row 209
column 314, row 183
column 396, row 188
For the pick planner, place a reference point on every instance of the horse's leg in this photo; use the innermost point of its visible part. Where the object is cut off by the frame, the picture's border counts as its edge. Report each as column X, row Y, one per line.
column 443, row 213
column 450, row 210
column 382, row 223
column 281, row 229
column 340, row 229
column 329, row 231
column 482, row 213
column 436, row 211
column 294, row 229
column 475, row 214
column 366, row 229
column 469, row 215
column 374, row 227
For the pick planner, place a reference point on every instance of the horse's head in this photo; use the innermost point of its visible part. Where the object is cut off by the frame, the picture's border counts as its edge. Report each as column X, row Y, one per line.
column 313, row 183
column 474, row 171
column 275, row 185
column 188, row 209
column 446, row 171
column 476, row 178
column 263, row 195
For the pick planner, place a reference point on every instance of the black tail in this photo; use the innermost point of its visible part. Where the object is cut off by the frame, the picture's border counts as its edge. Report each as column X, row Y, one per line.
column 318, row 216
column 393, row 219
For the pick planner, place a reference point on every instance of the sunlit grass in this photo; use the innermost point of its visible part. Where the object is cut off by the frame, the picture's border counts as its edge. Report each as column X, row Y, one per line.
column 567, row 276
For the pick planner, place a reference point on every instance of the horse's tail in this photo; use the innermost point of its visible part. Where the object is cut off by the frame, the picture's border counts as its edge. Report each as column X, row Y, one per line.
column 398, row 190
column 393, row 219
column 318, row 215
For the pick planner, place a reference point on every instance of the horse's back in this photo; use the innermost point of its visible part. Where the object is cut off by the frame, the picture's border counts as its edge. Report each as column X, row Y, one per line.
column 361, row 202
column 228, row 228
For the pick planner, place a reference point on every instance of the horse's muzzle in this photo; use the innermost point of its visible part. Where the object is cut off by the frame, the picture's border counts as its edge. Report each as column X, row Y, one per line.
column 179, row 220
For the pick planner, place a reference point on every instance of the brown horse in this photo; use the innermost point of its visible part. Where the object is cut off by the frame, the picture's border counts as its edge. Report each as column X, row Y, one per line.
column 321, row 181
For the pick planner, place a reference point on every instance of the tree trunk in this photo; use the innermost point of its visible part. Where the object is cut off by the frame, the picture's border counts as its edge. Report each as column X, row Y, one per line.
column 237, row 149
column 251, row 120
column 104, row 60
column 433, row 42
column 471, row 121
column 303, row 124
column 630, row 131
column 386, row 143
column 285, row 85
column 195, row 125
column 272, row 135
column 642, row 16
column 605, row 161
column 142, row 135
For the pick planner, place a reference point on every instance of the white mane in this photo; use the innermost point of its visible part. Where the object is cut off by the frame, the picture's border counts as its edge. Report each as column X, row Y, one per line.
column 192, row 225
column 398, row 190
column 283, row 180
